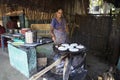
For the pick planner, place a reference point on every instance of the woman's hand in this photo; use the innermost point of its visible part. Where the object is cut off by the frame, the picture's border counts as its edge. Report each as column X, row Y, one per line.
column 54, row 38
column 52, row 33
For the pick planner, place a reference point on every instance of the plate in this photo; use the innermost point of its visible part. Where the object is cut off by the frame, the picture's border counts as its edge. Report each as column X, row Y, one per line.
column 73, row 49
column 80, row 46
column 73, row 44
column 61, row 48
column 65, row 45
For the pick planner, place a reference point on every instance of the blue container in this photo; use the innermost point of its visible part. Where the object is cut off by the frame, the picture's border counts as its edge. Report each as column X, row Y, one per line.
column 24, row 60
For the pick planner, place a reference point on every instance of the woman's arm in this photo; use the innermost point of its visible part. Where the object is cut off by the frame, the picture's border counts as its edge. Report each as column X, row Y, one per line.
column 52, row 29
column 52, row 33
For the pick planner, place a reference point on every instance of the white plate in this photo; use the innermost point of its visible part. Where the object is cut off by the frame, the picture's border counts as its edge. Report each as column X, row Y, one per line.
column 62, row 48
column 74, row 44
column 80, row 46
column 73, row 49
column 65, row 45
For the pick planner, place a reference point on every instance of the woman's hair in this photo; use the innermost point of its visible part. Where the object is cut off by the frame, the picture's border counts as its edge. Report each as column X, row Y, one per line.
column 58, row 10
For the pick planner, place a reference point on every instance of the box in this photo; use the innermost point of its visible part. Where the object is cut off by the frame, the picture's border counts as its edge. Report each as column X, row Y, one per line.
column 42, row 61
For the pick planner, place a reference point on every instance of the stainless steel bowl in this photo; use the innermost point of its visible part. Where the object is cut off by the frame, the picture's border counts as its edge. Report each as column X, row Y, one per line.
column 11, row 31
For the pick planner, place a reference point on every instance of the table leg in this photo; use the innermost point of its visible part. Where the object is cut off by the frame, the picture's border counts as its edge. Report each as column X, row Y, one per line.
column 2, row 43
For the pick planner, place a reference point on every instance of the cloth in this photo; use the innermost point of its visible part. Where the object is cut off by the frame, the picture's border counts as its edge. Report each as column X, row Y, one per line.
column 59, row 30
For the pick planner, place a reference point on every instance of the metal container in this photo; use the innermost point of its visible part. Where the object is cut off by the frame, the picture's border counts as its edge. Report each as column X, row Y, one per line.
column 11, row 31
column 16, row 31
column 34, row 36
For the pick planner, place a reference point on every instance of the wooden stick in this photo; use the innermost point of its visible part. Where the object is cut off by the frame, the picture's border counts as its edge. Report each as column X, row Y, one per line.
column 66, row 70
column 42, row 72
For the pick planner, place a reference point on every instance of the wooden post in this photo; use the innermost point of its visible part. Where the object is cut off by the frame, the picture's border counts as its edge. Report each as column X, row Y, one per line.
column 66, row 70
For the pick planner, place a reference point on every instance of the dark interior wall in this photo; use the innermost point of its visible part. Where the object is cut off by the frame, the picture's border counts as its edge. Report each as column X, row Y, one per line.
column 43, row 5
column 93, row 31
column 117, row 3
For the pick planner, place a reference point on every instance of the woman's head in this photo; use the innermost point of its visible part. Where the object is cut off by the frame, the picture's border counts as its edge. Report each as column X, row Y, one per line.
column 59, row 13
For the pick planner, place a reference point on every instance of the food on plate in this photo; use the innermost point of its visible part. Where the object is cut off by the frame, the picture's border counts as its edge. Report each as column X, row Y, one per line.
column 73, row 49
column 61, row 48
column 73, row 44
column 65, row 45
column 80, row 46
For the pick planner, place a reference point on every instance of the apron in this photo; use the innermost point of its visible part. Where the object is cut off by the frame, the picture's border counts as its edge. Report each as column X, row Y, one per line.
column 61, row 36
column 60, row 32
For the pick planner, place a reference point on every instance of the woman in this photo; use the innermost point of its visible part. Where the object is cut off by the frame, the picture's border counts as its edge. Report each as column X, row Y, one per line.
column 59, row 35
column 58, row 28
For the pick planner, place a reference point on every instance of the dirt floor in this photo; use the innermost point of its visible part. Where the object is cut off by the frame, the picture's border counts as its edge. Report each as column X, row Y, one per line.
column 95, row 64
column 98, row 65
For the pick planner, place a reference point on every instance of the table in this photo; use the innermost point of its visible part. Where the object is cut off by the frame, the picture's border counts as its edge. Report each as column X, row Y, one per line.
column 22, row 59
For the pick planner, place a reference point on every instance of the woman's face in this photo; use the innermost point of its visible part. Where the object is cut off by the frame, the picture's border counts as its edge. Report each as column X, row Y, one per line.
column 59, row 13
